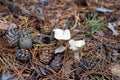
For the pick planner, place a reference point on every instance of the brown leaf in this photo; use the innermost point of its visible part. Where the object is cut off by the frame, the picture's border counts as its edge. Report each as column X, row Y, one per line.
column 4, row 25
column 115, row 69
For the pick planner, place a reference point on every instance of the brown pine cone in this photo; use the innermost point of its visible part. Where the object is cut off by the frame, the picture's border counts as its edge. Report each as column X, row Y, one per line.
column 46, row 54
column 45, row 30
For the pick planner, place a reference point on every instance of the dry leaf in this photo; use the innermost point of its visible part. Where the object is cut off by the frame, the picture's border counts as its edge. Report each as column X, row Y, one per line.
column 111, row 26
column 115, row 69
column 60, row 49
column 117, row 23
column 101, row 9
column 3, row 25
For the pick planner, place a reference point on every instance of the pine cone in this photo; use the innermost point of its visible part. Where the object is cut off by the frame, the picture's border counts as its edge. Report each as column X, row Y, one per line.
column 23, row 55
column 25, row 39
column 56, row 63
column 45, row 30
column 12, row 36
column 46, row 54
column 14, row 8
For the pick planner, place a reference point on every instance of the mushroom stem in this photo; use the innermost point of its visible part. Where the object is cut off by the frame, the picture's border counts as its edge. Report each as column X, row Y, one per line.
column 76, row 56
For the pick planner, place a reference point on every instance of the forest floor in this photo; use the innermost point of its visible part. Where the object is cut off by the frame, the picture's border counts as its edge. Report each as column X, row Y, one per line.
column 35, row 38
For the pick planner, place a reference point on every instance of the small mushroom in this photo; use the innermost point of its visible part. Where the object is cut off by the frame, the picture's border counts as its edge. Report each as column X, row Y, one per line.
column 62, row 34
column 75, row 45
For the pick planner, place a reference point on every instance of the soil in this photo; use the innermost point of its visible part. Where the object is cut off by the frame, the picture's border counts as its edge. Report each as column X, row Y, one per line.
column 28, row 44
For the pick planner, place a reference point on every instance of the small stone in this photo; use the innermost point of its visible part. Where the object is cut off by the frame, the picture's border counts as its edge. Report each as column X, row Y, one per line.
column 23, row 55
column 43, row 71
column 44, row 2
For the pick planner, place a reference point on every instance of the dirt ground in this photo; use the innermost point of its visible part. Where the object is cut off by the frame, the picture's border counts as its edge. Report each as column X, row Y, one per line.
column 35, row 39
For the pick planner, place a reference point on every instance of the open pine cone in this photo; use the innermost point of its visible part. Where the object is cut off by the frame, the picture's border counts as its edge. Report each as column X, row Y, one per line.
column 12, row 36
column 23, row 55
column 25, row 39
column 56, row 63
column 46, row 54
